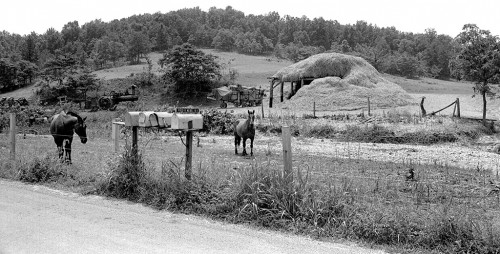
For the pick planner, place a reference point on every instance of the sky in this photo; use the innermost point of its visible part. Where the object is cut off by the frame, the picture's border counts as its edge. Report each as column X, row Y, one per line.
column 445, row 16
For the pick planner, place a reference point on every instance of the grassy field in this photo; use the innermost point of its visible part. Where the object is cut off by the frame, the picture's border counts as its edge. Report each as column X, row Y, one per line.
column 342, row 190
column 351, row 197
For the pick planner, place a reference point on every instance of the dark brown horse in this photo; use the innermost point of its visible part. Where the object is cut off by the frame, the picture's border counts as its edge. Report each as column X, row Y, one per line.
column 62, row 128
column 244, row 129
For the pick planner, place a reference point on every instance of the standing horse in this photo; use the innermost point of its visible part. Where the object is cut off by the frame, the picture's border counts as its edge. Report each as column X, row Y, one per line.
column 62, row 128
column 243, row 129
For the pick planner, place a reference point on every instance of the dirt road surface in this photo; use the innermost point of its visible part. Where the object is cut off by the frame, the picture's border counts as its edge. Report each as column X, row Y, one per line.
column 37, row 219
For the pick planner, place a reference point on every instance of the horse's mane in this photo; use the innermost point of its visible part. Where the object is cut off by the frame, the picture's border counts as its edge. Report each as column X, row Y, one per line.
column 71, row 113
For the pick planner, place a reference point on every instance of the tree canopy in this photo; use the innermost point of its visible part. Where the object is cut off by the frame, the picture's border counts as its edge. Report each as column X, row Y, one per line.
column 190, row 69
column 478, row 59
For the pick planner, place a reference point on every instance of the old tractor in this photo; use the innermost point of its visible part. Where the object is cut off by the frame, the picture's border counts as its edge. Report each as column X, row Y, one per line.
column 107, row 101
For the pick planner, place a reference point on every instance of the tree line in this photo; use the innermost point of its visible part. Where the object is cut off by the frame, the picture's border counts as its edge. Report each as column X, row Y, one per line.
column 99, row 44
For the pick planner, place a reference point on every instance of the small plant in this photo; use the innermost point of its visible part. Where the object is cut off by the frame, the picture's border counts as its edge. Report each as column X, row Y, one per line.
column 125, row 177
column 44, row 169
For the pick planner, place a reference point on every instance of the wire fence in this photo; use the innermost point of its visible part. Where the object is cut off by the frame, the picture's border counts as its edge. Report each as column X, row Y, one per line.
column 400, row 180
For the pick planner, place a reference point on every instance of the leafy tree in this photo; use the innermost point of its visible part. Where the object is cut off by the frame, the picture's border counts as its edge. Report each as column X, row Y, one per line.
column 59, row 68
column 8, row 73
column 26, row 72
column 191, row 70
column 374, row 54
column 29, row 50
column 403, row 64
column 224, row 40
column 479, row 59
column 71, row 32
column 138, row 45
column 53, row 40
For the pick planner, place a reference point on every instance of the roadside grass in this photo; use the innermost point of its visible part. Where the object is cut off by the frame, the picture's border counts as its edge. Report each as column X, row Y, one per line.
column 440, row 209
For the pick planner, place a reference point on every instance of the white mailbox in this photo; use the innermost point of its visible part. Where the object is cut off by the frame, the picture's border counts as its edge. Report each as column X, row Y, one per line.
column 181, row 121
column 132, row 118
column 164, row 119
column 148, row 119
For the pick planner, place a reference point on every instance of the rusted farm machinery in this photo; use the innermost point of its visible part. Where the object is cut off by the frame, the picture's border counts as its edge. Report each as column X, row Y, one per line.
column 11, row 102
column 238, row 95
column 104, row 102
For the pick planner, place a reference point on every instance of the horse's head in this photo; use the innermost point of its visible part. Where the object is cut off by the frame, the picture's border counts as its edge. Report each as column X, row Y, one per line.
column 251, row 118
column 81, row 128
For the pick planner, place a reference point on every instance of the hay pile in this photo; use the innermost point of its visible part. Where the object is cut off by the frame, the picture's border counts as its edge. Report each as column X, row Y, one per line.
column 342, row 82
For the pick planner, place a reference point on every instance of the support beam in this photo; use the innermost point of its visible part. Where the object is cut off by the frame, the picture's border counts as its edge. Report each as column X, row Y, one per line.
column 271, row 91
column 281, row 90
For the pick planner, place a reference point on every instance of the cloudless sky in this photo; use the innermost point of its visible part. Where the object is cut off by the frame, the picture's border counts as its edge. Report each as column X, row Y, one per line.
column 445, row 16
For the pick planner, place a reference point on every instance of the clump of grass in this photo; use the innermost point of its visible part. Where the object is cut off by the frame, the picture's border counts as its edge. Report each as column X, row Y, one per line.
column 373, row 133
column 46, row 169
column 124, row 178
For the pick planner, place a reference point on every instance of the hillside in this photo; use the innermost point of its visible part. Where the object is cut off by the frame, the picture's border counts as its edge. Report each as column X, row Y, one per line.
column 254, row 71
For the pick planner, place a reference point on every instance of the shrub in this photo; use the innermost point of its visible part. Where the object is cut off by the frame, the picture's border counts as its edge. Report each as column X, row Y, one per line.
column 125, row 177
column 373, row 133
column 44, row 169
column 218, row 122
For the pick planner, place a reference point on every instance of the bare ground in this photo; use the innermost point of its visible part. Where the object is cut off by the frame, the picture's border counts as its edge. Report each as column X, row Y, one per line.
column 36, row 219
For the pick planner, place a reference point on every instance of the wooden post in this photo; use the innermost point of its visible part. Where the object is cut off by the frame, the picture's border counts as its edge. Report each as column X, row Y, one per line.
column 271, row 91
column 115, row 128
column 189, row 151
column 282, row 84
column 13, row 136
column 314, row 109
column 287, row 156
column 454, row 110
column 369, row 112
column 134, row 140
column 458, row 107
column 262, row 109
column 292, row 89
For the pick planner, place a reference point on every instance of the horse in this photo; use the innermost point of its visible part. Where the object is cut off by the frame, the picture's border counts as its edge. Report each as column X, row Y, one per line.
column 244, row 129
column 62, row 128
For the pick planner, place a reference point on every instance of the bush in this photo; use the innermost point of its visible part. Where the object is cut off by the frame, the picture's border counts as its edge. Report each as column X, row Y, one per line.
column 45, row 169
column 217, row 122
column 371, row 134
column 125, row 177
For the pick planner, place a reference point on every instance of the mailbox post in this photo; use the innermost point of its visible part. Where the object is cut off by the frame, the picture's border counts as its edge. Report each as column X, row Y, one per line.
column 186, row 120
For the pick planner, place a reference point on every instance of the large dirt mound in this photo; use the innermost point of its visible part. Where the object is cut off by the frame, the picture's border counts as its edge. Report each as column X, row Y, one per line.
column 342, row 82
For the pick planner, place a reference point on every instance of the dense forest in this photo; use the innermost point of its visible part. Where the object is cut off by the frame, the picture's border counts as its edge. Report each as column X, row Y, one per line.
column 97, row 44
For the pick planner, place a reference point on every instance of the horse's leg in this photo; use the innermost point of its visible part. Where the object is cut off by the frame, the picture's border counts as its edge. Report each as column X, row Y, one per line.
column 251, row 146
column 59, row 144
column 67, row 147
column 237, row 140
column 244, row 146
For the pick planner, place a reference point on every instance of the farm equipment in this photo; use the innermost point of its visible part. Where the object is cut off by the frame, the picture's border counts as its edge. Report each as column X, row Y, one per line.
column 107, row 102
column 238, row 95
column 11, row 102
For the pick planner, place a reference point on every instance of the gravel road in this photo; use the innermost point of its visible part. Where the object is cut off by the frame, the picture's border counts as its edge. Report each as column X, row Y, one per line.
column 37, row 219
